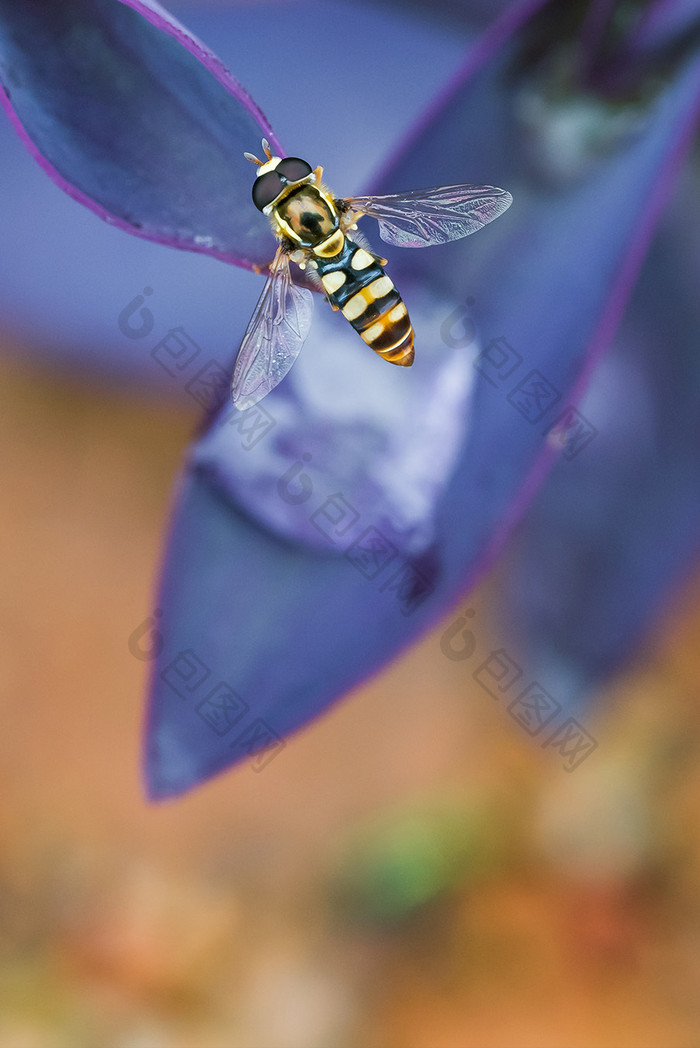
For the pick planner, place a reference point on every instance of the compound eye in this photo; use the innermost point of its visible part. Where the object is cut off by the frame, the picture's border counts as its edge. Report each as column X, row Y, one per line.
column 293, row 169
column 266, row 188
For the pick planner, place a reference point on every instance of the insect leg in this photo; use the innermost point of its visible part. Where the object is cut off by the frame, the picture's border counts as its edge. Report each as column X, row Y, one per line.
column 261, row 269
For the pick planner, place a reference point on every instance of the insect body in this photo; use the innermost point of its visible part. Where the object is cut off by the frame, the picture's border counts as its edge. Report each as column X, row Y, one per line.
column 356, row 283
column 318, row 231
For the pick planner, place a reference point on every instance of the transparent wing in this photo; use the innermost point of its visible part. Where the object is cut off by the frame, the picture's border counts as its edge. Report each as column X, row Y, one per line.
column 433, row 216
column 274, row 336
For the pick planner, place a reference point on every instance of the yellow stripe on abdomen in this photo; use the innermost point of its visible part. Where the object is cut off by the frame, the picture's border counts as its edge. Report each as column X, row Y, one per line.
column 357, row 285
column 391, row 336
column 362, row 300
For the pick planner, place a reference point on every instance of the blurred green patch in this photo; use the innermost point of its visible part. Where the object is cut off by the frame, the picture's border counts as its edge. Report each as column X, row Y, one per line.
column 406, row 859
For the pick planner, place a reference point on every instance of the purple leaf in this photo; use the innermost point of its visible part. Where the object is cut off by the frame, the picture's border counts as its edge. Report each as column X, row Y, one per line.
column 289, row 631
column 612, row 533
column 384, row 441
column 132, row 116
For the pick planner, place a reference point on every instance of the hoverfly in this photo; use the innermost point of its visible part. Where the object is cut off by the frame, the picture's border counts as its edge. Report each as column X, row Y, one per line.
column 319, row 231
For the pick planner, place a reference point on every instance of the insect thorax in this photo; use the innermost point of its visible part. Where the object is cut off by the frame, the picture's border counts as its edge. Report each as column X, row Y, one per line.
column 306, row 217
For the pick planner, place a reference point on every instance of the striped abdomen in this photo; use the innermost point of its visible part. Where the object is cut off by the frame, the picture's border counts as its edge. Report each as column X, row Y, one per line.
column 356, row 283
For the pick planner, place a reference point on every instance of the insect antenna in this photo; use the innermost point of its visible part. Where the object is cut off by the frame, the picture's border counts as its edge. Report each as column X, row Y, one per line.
column 253, row 159
column 266, row 147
